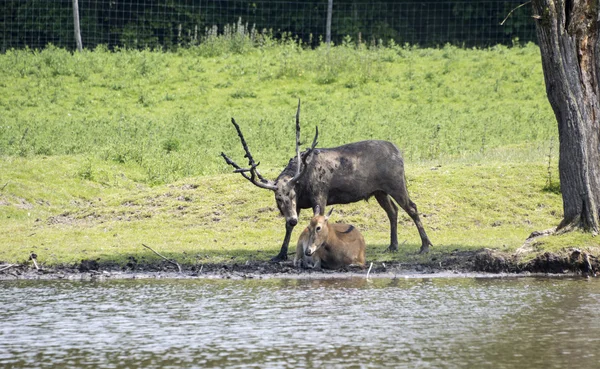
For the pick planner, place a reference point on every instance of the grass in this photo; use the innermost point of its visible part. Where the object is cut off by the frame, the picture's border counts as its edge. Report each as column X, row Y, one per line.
column 222, row 218
column 103, row 151
column 170, row 113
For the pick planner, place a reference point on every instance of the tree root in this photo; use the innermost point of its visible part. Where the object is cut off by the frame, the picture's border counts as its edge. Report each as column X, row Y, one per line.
column 527, row 247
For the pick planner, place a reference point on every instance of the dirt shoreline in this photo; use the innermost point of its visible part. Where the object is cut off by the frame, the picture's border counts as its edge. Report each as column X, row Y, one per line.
column 484, row 262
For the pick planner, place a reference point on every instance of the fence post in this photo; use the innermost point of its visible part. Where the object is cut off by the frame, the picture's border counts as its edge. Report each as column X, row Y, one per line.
column 328, row 28
column 76, row 25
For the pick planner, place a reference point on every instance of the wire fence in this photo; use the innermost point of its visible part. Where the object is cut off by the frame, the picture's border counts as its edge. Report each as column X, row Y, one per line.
column 173, row 23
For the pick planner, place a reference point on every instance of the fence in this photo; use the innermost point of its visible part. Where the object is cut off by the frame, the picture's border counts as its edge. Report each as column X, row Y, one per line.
column 171, row 23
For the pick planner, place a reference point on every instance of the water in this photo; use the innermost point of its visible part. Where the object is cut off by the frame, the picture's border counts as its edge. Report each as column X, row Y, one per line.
column 281, row 323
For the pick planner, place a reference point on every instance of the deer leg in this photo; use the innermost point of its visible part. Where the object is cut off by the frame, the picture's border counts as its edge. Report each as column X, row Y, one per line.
column 282, row 256
column 392, row 212
column 411, row 209
column 298, row 257
column 316, row 263
column 320, row 205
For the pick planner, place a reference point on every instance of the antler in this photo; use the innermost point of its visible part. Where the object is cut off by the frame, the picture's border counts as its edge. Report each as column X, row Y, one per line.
column 301, row 168
column 262, row 183
column 298, row 137
column 254, row 174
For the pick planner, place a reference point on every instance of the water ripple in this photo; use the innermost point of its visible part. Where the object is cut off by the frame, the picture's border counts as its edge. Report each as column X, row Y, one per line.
column 413, row 323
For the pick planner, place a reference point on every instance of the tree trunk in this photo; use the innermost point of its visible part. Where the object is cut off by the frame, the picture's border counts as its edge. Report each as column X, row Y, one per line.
column 328, row 25
column 76, row 27
column 567, row 32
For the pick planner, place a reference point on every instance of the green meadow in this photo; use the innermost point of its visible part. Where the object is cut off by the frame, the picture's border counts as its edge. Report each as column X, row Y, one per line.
column 103, row 151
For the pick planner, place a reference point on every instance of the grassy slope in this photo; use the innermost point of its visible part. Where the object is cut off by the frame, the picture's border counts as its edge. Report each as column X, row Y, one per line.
column 102, row 152
column 170, row 113
column 220, row 218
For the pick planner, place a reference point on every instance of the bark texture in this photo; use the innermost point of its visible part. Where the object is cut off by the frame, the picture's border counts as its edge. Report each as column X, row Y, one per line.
column 567, row 32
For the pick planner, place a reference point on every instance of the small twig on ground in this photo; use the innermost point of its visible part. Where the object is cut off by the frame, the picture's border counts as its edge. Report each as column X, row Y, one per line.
column 3, row 187
column 369, row 271
column 509, row 13
column 169, row 260
column 6, row 267
column 32, row 257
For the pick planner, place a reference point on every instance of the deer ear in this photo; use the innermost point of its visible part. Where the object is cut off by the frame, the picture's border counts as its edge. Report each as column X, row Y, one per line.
column 329, row 214
column 316, row 210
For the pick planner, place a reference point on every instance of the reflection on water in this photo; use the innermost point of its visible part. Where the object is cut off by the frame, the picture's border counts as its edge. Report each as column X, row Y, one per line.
column 279, row 323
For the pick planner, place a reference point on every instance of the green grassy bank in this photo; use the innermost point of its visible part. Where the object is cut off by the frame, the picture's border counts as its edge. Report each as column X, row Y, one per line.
column 103, row 151
column 48, row 209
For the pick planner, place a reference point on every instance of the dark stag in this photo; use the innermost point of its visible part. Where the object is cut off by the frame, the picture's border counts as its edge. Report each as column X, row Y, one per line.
column 319, row 177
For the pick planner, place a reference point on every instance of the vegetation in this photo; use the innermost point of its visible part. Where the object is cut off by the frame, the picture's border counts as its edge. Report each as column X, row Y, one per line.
column 173, row 24
column 170, row 113
column 103, row 151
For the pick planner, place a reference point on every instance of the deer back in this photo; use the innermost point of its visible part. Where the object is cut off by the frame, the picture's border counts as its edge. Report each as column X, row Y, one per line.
column 345, row 246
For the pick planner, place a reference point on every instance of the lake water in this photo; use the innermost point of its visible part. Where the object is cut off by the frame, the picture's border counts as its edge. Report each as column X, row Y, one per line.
column 291, row 323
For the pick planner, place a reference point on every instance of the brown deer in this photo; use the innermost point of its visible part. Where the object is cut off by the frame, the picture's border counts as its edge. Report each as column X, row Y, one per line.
column 329, row 246
column 340, row 175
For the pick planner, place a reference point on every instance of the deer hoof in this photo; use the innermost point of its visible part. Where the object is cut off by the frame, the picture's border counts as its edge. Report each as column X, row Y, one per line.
column 279, row 258
column 424, row 249
column 391, row 249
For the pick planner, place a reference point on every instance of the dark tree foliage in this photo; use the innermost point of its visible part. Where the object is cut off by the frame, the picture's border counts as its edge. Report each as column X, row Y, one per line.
column 170, row 23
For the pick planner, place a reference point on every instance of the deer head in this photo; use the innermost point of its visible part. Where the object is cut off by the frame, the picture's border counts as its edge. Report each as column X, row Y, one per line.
column 318, row 231
column 285, row 190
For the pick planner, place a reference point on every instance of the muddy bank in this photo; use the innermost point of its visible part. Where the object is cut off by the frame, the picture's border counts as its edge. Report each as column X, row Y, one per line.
column 569, row 261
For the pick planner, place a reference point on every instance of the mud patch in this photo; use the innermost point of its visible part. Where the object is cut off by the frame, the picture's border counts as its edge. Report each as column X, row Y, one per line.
column 491, row 261
column 191, row 186
column 64, row 218
column 23, row 204
column 68, row 218
column 572, row 260
column 568, row 261
column 88, row 265
column 484, row 262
